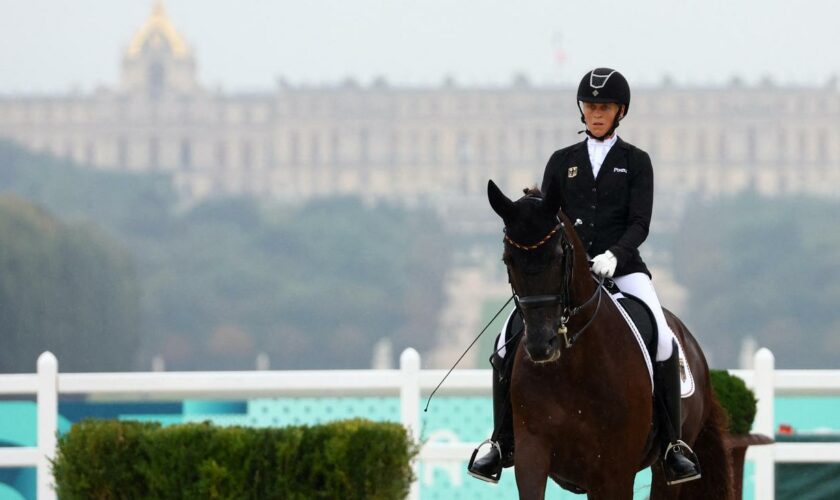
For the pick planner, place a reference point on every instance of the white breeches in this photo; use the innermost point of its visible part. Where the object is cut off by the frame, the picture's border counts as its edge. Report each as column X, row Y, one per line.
column 640, row 285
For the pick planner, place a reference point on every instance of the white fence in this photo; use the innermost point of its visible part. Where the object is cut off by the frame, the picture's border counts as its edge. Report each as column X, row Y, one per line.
column 409, row 382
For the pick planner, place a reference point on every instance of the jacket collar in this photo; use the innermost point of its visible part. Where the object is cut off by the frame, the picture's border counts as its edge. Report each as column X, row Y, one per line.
column 582, row 158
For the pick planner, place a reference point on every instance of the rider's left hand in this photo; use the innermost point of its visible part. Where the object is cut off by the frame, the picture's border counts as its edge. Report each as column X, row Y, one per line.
column 604, row 265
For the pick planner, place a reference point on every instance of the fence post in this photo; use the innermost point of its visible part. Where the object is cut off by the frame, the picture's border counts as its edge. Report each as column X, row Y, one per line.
column 410, row 405
column 47, row 399
column 764, row 423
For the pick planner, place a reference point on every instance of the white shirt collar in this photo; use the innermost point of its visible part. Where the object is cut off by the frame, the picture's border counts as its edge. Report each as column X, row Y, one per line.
column 606, row 143
column 598, row 152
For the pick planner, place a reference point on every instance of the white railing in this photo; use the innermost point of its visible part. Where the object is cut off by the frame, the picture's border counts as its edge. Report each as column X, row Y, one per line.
column 408, row 382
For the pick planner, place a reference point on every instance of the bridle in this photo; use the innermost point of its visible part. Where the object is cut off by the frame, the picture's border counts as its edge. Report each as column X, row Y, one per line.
column 563, row 298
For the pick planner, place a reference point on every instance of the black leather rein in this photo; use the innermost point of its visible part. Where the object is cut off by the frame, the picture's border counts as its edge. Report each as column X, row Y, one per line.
column 562, row 299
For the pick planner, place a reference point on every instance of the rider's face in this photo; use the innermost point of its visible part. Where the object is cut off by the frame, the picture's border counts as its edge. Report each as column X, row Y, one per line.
column 599, row 116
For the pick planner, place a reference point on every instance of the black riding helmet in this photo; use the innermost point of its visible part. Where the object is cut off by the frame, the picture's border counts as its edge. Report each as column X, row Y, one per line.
column 604, row 85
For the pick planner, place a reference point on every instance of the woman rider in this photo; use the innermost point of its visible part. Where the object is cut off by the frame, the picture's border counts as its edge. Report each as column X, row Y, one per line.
column 607, row 184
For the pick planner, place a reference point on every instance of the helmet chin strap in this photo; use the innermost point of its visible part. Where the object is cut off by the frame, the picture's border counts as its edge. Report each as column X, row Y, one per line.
column 615, row 124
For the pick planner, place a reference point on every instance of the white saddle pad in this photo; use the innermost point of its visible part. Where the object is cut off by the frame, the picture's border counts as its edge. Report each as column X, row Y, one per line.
column 686, row 379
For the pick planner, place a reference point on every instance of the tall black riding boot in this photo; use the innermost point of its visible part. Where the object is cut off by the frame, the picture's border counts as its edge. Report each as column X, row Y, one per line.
column 679, row 462
column 489, row 466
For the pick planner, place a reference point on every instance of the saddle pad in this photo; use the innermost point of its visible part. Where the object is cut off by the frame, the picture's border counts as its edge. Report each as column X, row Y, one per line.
column 686, row 378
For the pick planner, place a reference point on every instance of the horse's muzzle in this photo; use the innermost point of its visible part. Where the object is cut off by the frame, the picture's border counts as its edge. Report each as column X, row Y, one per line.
column 543, row 351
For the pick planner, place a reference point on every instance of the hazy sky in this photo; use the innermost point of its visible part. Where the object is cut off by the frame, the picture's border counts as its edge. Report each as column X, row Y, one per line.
column 55, row 45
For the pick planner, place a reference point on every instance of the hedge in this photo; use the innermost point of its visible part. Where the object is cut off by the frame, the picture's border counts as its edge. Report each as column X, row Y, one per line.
column 353, row 459
column 736, row 398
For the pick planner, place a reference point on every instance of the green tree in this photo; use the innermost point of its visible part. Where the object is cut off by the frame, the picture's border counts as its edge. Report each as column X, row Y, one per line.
column 765, row 268
column 313, row 286
column 66, row 288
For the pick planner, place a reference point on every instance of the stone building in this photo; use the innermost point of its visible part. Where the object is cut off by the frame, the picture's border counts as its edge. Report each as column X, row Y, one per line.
column 435, row 146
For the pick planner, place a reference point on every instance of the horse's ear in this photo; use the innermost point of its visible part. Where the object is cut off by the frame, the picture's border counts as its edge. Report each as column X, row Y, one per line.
column 501, row 204
column 551, row 201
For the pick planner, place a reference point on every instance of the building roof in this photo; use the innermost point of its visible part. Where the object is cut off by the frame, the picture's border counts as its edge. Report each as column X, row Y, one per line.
column 158, row 30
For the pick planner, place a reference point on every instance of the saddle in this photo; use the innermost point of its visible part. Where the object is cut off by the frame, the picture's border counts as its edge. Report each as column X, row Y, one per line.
column 639, row 313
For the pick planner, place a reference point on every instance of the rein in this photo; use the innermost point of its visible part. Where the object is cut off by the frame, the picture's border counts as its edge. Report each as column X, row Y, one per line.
column 564, row 297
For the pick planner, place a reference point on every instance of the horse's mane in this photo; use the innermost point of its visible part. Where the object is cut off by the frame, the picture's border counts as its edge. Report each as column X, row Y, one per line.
column 533, row 192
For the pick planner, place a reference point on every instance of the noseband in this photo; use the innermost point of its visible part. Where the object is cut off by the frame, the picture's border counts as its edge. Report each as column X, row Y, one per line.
column 564, row 297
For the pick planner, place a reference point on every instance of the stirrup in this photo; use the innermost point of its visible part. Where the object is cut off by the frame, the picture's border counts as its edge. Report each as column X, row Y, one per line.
column 679, row 443
column 493, row 478
column 681, row 446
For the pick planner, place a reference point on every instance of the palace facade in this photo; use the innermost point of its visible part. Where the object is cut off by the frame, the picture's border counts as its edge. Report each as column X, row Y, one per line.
column 432, row 145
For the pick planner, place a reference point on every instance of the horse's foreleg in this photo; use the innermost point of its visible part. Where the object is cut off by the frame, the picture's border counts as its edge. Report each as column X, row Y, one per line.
column 532, row 461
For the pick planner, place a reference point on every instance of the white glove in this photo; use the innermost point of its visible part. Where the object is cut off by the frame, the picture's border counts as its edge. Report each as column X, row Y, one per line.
column 604, row 265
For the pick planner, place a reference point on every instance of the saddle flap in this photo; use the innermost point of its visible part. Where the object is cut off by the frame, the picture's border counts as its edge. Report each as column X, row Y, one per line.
column 641, row 320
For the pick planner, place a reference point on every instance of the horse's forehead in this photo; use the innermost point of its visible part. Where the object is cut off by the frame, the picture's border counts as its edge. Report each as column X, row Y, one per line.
column 529, row 201
column 529, row 206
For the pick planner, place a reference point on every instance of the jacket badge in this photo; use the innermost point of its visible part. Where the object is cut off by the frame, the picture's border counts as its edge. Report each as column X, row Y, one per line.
column 572, row 172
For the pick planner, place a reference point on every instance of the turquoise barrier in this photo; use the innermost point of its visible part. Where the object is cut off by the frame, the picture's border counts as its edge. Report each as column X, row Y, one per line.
column 450, row 419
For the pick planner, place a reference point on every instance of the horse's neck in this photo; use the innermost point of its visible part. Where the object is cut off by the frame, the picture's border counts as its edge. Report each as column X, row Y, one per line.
column 582, row 284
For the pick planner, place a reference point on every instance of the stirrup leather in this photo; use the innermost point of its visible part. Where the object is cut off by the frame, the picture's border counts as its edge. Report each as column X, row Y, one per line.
column 493, row 478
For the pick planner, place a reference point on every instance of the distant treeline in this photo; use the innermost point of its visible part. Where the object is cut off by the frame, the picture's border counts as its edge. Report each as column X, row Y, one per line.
column 66, row 288
column 312, row 286
column 768, row 268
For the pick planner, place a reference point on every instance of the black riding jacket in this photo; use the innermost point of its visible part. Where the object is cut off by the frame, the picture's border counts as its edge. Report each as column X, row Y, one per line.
column 615, row 208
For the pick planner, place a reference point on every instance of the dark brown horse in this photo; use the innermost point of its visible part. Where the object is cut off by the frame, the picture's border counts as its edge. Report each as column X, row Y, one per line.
column 583, row 414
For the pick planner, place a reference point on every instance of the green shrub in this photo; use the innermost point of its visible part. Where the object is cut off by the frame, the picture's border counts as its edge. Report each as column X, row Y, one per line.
column 354, row 459
column 736, row 398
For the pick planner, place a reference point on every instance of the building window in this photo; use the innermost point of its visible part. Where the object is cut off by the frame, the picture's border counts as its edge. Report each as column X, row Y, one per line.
column 652, row 144
column 413, row 147
column 315, row 150
column 246, row 154
column 434, row 148
column 481, row 148
column 822, row 147
column 782, row 145
column 335, row 147
column 702, row 147
column 364, row 146
column 394, row 149
column 154, row 153
column 751, row 147
column 221, row 154
column 156, row 78
column 268, row 154
column 294, row 148
column 122, row 153
column 90, row 154
column 539, row 138
column 502, row 148
column 803, row 146
column 186, row 153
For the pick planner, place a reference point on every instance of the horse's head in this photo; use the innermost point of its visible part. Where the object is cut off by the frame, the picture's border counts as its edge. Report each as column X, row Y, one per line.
column 535, row 246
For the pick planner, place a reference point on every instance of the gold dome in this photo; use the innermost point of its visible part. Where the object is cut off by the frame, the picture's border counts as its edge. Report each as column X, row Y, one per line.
column 158, row 30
